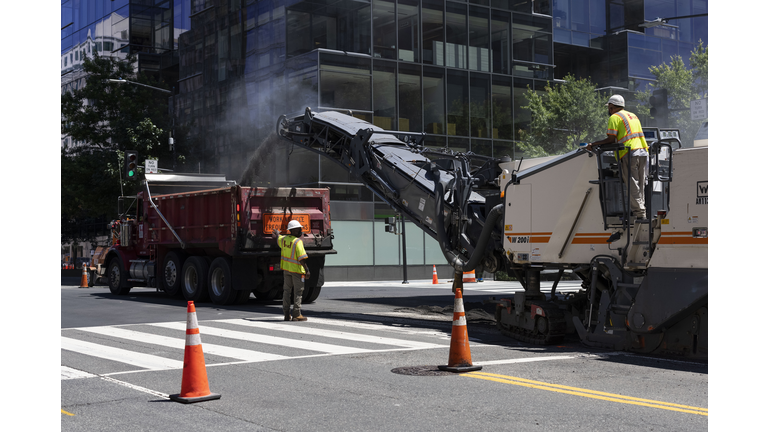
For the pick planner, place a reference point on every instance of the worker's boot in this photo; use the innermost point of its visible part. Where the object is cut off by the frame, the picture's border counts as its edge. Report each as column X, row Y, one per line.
column 287, row 316
column 300, row 317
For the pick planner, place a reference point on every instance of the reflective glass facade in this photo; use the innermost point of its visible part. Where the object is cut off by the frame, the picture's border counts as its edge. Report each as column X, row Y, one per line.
column 117, row 27
column 605, row 40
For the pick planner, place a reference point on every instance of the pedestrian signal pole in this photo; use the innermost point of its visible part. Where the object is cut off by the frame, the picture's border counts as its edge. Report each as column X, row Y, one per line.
column 405, row 259
column 391, row 227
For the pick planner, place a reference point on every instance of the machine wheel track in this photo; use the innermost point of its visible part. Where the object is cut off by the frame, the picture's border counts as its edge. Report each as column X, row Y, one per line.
column 556, row 328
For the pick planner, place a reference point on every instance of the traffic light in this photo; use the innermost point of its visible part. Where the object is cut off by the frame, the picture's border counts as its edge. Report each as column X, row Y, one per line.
column 391, row 226
column 131, row 165
column 660, row 107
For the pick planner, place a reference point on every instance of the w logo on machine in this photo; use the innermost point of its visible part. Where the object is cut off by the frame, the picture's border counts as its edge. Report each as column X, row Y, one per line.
column 701, row 192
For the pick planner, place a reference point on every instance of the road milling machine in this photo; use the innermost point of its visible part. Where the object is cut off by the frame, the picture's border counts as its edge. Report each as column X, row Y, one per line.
column 644, row 282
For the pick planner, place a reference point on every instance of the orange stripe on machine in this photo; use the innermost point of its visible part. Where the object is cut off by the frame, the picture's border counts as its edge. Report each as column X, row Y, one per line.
column 681, row 238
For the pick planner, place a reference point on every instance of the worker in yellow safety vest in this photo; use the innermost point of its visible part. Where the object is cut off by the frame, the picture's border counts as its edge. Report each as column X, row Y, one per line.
column 293, row 263
column 624, row 128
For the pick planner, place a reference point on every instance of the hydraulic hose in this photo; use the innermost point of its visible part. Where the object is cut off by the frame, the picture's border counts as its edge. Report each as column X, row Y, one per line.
column 453, row 257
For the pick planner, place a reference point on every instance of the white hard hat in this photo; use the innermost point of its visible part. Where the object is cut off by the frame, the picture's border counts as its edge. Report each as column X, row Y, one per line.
column 616, row 100
column 294, row 224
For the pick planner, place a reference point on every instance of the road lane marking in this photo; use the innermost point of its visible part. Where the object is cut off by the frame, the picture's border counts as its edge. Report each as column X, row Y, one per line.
column 135, row 387
column 531, row 359
column 269, row 340
column 133, row 358
column 379, row 327
column 70, row 373
column 594, row 394
column 67, row 413
column 178, row 343
column 334, row 334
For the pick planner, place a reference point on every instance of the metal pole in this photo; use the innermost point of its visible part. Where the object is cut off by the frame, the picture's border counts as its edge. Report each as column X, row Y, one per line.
column 405, row 259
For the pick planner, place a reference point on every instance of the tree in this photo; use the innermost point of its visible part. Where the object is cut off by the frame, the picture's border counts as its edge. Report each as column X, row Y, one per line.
column 564, row 115
column 683, row 85
column 102, row 120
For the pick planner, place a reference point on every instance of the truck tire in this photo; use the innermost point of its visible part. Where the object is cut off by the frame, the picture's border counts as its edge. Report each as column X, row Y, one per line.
column 171, row 273
column 269, row 295
column 242, row 297
column 194, row 279
column 117, row 278
column 220, row 288
column 310, row 294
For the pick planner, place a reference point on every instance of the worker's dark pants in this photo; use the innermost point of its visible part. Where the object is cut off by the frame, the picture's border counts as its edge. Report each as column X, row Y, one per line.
column 292, row 283
column 635, row 166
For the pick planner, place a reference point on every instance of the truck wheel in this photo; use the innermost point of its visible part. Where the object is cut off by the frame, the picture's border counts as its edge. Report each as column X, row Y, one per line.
column 220, row 282
column 194, row 279
column 117, row 278
column 310, row 294
column 242, row 297
column 269, row 295
column 91, row 277
column 171, row 273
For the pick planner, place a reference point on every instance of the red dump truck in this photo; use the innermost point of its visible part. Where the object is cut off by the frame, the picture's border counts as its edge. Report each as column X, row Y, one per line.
column 204, row 237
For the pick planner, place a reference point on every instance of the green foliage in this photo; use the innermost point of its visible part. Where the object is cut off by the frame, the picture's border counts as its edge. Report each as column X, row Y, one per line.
column 683, row 85
column 564, row 115
column 103, row 119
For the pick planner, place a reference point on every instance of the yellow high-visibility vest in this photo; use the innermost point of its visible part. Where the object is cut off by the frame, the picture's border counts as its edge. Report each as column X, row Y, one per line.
column 291, row 253
column 625, row 126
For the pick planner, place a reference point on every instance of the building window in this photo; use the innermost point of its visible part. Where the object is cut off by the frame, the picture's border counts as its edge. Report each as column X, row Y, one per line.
column 345, row 28
column 479, row 52
column 432, row 28
column 456, row 35
column 385, row 94
column 384, row 29
column 501, row 97
column 434, row 100
column 479, row 105
column 345, row 82
column 408, row 30
column 409, row 94
column 457, row 103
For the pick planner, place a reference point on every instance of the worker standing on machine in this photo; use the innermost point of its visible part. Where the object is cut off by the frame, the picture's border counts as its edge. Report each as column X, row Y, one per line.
column 624, row 128
column 293, row 263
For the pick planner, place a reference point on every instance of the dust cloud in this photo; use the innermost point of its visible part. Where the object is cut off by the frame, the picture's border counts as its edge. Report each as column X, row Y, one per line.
column 261, row 169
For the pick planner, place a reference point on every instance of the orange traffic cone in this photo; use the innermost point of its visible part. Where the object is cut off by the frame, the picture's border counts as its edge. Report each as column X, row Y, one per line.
column 469, row 276
column 84, row 278
column 194, row 379
column 434, row 275
column 459, row 358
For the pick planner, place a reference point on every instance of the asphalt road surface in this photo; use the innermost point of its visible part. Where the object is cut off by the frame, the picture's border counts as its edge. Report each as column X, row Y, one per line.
column 366, row 360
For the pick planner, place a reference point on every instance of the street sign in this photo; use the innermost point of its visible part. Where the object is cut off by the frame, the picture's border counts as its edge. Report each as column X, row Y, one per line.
column 150, row 166
column 699, row 109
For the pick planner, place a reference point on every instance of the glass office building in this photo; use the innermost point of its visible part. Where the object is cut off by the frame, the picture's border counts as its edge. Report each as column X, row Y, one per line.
column 457, row 70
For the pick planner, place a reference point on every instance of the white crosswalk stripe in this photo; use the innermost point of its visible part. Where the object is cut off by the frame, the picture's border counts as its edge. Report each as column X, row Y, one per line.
column 219, row 350
column 333, row 333
column 270, row 340
column 240, row 332
column 146, row 361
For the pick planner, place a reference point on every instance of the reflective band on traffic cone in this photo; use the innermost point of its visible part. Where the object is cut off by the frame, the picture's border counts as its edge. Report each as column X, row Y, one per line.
column 194, row 379
column 434, row 275
column 469, row 276
column 459, row 358
column 84, row 278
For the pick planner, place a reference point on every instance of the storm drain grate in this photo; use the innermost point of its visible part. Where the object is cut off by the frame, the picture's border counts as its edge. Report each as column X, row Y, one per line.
column 421, row 371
